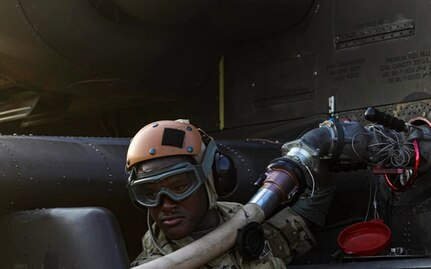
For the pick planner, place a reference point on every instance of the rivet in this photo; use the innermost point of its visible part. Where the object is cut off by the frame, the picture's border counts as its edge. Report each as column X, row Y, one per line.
column 152, row 151
column 189, row 149
column 155, row 125
column 189, row 128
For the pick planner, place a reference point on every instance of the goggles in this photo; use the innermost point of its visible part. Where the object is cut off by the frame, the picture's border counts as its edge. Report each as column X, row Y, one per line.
column 178, row 182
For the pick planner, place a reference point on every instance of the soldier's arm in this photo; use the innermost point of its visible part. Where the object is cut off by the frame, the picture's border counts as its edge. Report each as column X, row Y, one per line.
column 288, row 235
column 288, row 231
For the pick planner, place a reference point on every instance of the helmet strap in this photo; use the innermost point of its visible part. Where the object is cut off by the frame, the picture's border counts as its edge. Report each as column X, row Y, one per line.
column 207, row 164
column 208, row 160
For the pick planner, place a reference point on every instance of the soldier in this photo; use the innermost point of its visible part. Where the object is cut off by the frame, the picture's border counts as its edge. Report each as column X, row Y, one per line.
column 170, row 173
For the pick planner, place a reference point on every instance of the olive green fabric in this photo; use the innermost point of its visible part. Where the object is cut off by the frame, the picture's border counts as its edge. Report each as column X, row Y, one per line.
column 286, row 232
column 314, row 205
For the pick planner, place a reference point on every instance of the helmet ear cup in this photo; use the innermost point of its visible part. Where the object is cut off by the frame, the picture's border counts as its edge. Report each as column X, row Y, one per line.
column 225, row 179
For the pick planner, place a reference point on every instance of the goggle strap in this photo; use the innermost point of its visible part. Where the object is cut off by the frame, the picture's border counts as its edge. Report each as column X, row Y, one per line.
column 209, row 157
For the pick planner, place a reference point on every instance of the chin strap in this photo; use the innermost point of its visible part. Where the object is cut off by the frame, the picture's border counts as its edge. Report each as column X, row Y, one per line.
column 153, row 238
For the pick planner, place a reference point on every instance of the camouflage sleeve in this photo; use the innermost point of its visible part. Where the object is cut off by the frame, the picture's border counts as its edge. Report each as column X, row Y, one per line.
column 144, row 258
column 288, row 235
column 148, row 253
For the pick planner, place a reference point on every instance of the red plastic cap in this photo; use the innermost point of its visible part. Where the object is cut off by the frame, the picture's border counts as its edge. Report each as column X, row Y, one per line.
column 365, row 238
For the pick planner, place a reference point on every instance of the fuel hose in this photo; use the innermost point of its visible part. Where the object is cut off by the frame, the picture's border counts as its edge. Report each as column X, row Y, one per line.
column 282, row 180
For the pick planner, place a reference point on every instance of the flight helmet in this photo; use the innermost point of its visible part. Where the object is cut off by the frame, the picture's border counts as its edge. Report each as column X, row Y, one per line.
column 179, row 181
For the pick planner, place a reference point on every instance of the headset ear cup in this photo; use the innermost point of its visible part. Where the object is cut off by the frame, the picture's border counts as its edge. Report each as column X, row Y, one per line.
column 225, row 179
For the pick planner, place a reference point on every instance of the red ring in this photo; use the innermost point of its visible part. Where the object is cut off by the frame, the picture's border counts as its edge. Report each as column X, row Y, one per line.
column 418, row 121
column 412, row 178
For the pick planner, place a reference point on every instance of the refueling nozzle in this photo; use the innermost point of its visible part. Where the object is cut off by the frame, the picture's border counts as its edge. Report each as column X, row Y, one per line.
column 283, row 180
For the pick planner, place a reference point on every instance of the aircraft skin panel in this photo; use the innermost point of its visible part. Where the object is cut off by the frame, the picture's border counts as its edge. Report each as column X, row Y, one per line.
column 27, row 59
column 363, row 55
column 92, row 41
column 314, row 66
column 49, row 172
column 64, row 47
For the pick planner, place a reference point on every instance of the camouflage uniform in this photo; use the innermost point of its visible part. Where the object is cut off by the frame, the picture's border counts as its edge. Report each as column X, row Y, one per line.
column 286, row 232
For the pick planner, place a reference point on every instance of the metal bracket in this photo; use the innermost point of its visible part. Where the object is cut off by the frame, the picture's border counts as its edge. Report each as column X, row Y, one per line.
column 301, row 153
column 375, row 34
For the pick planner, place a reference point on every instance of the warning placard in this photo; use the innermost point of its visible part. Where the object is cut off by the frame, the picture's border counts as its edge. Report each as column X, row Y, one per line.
column 406, row 67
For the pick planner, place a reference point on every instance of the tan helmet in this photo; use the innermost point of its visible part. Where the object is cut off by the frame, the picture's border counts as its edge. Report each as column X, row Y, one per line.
column 161, row 139
column 169, row 138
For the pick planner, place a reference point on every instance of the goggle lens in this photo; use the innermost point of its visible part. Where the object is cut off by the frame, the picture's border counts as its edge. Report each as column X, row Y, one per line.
column 178, row 184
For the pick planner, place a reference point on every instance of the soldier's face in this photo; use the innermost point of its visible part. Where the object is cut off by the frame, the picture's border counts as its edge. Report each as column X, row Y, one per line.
column 177, row 219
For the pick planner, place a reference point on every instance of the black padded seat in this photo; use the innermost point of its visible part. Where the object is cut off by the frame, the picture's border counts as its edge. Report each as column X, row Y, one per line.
column 57, row 238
